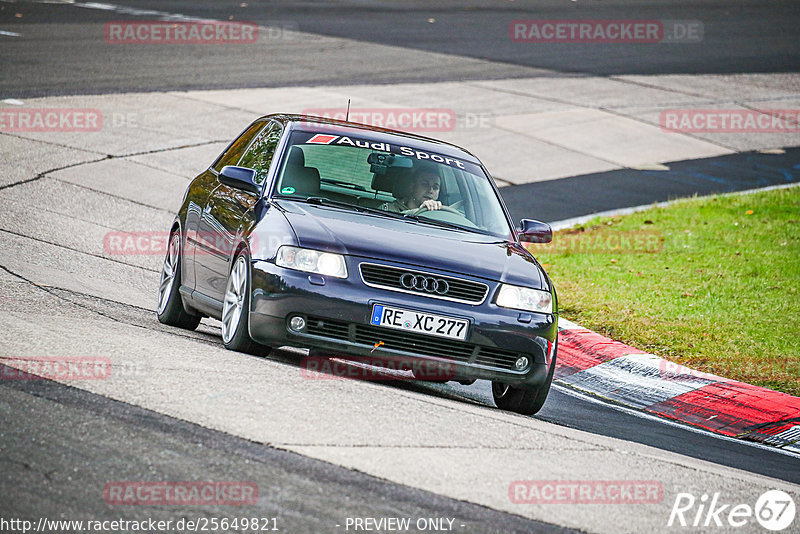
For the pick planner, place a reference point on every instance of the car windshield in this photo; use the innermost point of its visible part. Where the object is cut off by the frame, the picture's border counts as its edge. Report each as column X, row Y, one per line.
column 396, row 179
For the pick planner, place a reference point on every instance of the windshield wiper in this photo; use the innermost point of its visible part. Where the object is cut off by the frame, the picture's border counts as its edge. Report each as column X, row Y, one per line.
column 435, row 222
column 342, row 183
column 328, row 201
column 325, row 201
column 320, row 201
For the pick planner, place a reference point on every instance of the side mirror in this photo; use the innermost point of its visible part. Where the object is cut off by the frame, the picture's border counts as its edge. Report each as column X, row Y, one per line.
column 240, row 178
column 535, row 231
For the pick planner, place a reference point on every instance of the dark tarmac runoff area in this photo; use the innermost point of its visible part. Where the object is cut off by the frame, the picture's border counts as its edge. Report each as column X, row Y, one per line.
column 614, row 190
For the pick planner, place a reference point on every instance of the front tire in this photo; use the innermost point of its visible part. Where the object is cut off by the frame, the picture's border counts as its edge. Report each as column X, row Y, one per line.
column 236, row 309
column 523, row 401
column 170, row 304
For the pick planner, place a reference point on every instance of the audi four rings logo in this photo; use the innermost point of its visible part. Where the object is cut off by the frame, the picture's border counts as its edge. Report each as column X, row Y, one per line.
column 425, row 283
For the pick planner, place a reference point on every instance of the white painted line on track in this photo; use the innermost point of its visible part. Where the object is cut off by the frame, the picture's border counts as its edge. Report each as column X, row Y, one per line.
column 123, row 10
column 564, row 324
column 793, row 434
column 636, row 380
column 650, row 417
column 10, row 34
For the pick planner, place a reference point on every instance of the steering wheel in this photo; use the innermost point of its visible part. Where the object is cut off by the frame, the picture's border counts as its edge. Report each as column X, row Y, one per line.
column 423, row 209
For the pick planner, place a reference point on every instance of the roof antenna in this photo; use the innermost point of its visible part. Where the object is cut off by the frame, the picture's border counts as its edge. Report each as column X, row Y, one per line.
column 347, row 117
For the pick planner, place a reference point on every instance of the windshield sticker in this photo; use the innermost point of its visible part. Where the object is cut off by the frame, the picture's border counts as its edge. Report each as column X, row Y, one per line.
column 419, row 154
column 385, row 147
column 324, row 139
column 287, row 191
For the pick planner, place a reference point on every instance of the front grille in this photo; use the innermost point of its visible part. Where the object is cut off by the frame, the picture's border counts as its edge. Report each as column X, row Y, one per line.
column 417, row 344
column 457, row 289
column 493, row 357
column 328, row 328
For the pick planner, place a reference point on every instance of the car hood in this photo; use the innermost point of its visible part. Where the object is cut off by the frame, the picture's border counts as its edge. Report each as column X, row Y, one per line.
column 415, row 244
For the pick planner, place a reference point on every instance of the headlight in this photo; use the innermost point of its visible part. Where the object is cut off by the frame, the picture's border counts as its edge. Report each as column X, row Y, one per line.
column 311, row 261
column 523, row 298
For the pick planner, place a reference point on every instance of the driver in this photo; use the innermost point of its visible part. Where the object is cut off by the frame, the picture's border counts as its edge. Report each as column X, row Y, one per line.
column 424, row 192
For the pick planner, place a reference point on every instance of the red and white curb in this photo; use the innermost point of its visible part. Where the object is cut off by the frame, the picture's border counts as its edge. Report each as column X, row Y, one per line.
column 599, row 366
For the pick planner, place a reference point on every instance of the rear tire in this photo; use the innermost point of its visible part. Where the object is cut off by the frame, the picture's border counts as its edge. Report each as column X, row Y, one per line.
column 523, row 401
column 236, row 310
column 170, row 304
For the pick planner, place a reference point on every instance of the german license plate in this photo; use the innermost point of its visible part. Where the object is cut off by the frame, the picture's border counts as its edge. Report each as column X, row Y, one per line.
column 419, row 322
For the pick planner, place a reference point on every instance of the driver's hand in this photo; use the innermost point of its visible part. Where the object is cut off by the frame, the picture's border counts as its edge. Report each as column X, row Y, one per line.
column 432, row 204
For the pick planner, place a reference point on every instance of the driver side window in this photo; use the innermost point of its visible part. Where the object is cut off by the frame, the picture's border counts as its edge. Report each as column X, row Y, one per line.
column 237, row 148
column 260, row 153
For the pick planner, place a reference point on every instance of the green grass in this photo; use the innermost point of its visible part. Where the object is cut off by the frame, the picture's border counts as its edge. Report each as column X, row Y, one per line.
column 721, row 295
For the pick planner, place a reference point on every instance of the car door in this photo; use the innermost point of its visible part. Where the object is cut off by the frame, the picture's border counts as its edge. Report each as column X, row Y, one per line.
column 225, row 213
column 199, row 193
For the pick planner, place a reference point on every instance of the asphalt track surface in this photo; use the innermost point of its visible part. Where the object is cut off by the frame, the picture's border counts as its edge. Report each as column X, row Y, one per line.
column 61, row 48
column 56, row 457
column 60, row 461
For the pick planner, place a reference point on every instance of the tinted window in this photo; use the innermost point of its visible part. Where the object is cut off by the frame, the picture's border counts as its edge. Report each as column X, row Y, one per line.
column 234, row 152
column 347, row 169
column 259, row 156
column 343, row 165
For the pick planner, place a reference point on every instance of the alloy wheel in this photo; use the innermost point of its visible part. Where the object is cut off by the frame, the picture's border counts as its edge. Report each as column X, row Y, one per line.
column 234, row 299
column 168, row 271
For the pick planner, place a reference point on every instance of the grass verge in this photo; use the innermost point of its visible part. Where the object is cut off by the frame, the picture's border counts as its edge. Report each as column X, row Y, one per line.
column 710, row 283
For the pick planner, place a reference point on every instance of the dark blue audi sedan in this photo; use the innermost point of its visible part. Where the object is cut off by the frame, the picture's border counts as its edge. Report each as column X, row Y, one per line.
column 361, row 242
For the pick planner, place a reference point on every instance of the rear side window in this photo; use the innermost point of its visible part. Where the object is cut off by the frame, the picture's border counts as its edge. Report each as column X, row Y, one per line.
column 233, row 153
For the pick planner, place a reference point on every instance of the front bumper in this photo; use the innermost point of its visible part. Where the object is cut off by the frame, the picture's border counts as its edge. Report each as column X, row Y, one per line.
column 337, row 314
